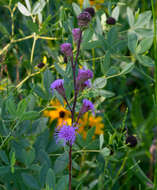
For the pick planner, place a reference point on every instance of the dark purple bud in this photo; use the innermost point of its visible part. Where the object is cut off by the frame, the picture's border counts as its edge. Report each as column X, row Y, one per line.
column 83, row 19
column 111, row 21
column 131, row 141
column 76, row 34
column 66, row 49
column 40, row 65
column 58, row 85
column 90, row 10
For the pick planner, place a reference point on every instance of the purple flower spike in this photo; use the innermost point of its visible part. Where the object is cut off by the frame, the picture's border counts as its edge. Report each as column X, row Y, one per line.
column 76, row 34
column 83, row 19
column 66, row 133
column 87, row 105
column 66, row 49
column 58, row 85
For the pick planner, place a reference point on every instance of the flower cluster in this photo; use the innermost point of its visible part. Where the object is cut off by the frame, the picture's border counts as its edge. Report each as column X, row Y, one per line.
column 67, row 130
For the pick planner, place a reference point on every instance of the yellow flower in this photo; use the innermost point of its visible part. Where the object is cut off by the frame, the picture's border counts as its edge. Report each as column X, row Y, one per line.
column 96, row 3
column 60, row 113
column 88, row 121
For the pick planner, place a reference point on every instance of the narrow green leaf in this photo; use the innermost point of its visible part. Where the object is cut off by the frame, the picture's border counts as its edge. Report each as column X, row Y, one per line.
column 28, row 5
column 76, row 9
column 115, row 12
column 30, row 115
column 132, row 42
column 50, row 179
column 21, row 108
column 11, row 106
column 126, row 68
column 130, row 16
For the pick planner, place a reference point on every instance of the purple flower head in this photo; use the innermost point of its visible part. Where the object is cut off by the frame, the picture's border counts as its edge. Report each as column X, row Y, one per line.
column 58, row 85
column 87, row 105
column 66, row 133
column 66, row 49
column 83, row 77
column 76, row 34
column 83, row 19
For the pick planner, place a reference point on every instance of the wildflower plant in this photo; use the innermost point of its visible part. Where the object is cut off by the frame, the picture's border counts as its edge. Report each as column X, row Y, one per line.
column 67, row 133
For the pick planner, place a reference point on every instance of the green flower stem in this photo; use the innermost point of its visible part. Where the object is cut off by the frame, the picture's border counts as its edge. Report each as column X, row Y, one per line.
column 155, row 79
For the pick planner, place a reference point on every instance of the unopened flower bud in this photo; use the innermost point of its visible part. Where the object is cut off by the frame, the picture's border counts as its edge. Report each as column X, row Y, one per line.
column 131, row 141
column 76, row 34
column 90, row 10
column 40, row 65
column 83, row 19
column 111, row 21
column 66, row 49
column 58, row 86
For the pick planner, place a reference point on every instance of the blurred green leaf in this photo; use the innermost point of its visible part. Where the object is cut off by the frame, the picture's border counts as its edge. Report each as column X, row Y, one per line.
column 30, row 181
column 13, row 161
column 62, row 183
column 105, row 152
column 126, row 68
column 50, row 179
column 130, row 16
column 76, row 9
column 115, row 12
column 28, row 5
column 132, row 42
column 61, row 163
column 99, row 82
column 4, row 157
column 21, row 108
column 23, row 9
column 30, row 115
column 145, row 60
column 4, row 170
column 144, row 45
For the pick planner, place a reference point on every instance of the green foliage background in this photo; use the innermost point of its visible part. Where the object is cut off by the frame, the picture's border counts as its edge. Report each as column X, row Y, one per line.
column 122, row 59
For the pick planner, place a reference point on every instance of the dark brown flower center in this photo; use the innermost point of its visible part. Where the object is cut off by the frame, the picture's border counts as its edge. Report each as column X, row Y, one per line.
column 62, row 114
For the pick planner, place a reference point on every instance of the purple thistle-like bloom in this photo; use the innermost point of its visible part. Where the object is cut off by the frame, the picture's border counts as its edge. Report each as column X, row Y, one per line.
column 66, row 48
column 87, row 105
column 76, row 34
column 66, row 133
column 82, row 78
column 84, row 75
column 58, row 85
column 83, row 19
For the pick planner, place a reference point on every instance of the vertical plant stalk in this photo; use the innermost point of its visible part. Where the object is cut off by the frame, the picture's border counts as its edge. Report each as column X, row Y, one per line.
column 70, row 166
column 73, row 64
column 155, row 79
column 33, row 47
column 74, row 76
